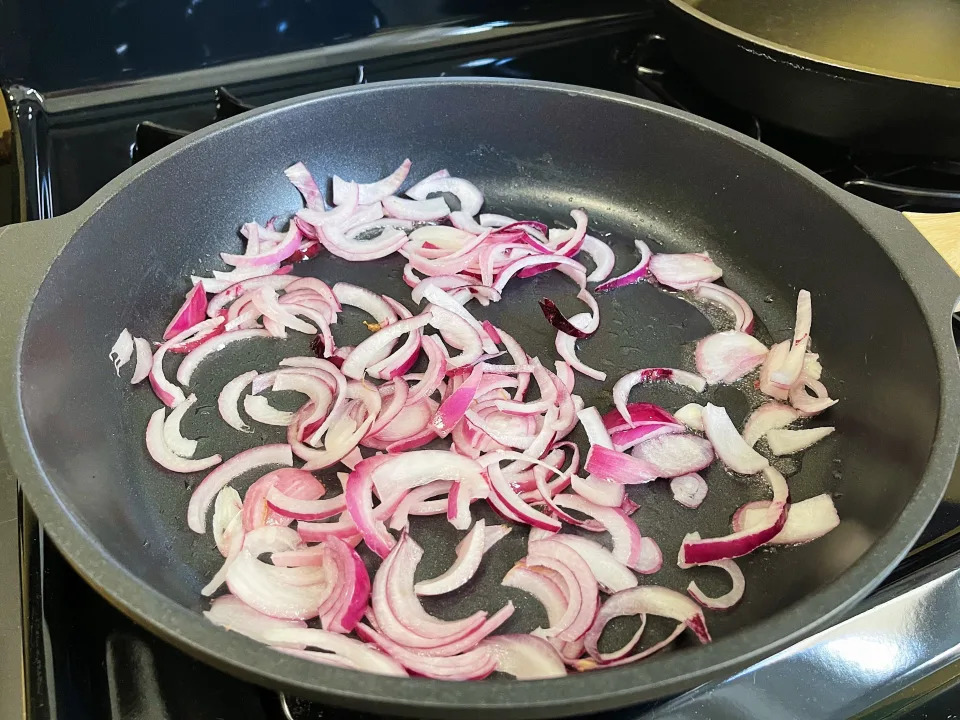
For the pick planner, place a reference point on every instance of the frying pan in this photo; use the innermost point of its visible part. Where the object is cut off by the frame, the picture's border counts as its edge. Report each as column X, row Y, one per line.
column 882, row 298
column 873, row 74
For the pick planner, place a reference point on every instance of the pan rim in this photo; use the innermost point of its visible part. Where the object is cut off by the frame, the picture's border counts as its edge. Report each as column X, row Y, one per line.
column 241, row 656
column 827, row 63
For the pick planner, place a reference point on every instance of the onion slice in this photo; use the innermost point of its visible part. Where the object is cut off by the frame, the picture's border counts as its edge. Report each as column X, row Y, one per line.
column 807, row 520
column 621, row 391
column 240, row 463
column 689, row 490
column 635, row 275
column 739, row 543
column 525, row 657
column 729, row 300
column 788, row 442
column 731, row 448
column 469, row 554
column 162, row 454
column 728, row 599
column 122, row 350
column 768, row 416
column 728, row 356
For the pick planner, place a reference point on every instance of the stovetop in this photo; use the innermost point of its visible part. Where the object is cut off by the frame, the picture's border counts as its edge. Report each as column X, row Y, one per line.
column 75, row 655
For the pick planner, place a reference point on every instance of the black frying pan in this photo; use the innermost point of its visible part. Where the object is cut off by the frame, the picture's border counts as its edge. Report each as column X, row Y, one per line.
column 882, row 299
column 877, row 74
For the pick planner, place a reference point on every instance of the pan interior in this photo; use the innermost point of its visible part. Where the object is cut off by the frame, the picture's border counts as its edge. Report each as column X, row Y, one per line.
column 638, row 172
column 916, row 40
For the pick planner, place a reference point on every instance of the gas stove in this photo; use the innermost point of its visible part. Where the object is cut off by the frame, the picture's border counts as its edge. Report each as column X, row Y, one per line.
column 68, row 654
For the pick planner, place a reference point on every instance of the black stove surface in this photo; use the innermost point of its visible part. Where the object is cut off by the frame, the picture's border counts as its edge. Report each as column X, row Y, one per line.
column 86, row 660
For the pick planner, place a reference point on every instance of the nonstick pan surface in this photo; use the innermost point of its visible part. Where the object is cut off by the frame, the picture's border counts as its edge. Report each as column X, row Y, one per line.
column 881, row 296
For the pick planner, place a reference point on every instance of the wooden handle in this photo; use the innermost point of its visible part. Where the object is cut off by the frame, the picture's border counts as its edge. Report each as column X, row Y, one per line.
column 942, row 230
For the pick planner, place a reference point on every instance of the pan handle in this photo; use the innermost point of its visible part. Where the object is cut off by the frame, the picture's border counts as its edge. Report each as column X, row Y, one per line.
column 942, row 230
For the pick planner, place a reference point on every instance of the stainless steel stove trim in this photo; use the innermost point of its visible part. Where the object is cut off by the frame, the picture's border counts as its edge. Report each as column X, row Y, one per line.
column 381, row 45
column 905, row 632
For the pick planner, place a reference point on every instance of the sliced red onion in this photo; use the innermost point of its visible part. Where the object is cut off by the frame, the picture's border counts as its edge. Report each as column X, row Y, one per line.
column 786, row 374
column 474, row 664
column 566, row 347
column 635, row 275
column 232, row 613
column 457, row 333
column 226, row 509
column 240, row 463
column 469, row 555
column 619, row 467
column 571, row 267
column 602, row 257
column 417, row 502
column 462, row 493
column 453, row 409
column 730, row 447
column 363, row 299
column 611, row 574
column 643, row 601
column 804, row 403
column 525, row 657
column 469, row 196
column 168, row 393
column 416, row 210
column 289, row 244
column 223, row 280
column 122, row 350
column 369, row 350
column 683, row 271
column 598, row 490
column 261, row 411
column 639, row 413
column 289, row 593
column 556, row 318
column 401, row 617
column 624, row 440
column 193, row 311
column 689, row 490
column 303, row 181
column 371, row 192
column 211, row 346
column 729, row 300
column 309, row 510
column 349, row 246
column 549, row 592
column 433, row 376
column 293, row 484
column 439, row 298
column 728, row 599
column 674, row 455
column 621, row 391
column 162, row 454
column 144, row 360
column 337, row 216
column 229, row 398
column 691, row 415
column 492, row 534
column 495, row 221
column 767, row 417
column 581, row 585
column 728, row 356
column 353, row 595
column 741, row 543
column 232, row 292
column 788, row 442
column 362, row 655
column 172, row 438
column 626, row 537
column 807, row 520
column 513, row 502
